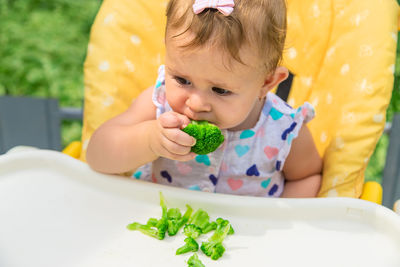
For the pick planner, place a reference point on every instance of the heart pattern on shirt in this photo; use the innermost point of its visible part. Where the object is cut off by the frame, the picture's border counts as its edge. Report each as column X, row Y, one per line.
column 195, row 188
column 247, row 134
column 288, row 130
column 183, row 168
column 137, row 174
column 270, row 151
column 213, row 179
column 153, row 178
column 166, row 175
column 265, row 183
column 253, row 171
column 203, row 159
column 275, row 114
column 235, row 184
column 273, row 190
column 241, row 150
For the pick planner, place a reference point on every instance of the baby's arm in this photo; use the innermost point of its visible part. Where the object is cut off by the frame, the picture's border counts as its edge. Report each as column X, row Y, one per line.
column 136, row 137
column 303, row 167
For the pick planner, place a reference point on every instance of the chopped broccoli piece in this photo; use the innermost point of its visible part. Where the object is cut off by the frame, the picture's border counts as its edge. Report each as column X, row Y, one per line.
column 201, row 219
column 214, row 250
column 152, row 222
column 154, row 228
column 213, row 246
column 220, row 221
column 173, row 216
column 171, row 221
column 192, row 230
column 208, row 136
column 190, row 245
column 176, row 220
column 199, row 223
column 157, row 230
column 194, row 261
column 209, row 227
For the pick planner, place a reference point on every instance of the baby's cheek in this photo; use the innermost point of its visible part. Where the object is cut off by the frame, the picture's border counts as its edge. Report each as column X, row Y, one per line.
column 176, row 100
column 232, row 116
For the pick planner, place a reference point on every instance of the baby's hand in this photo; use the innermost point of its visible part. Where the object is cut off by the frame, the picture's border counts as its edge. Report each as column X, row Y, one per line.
column 169, row 141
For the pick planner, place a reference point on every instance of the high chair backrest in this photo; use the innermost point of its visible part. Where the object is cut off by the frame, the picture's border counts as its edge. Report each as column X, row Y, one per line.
column 341, row 52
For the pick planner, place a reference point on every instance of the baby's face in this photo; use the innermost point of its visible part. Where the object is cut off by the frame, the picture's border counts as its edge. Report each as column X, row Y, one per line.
column 205, row 84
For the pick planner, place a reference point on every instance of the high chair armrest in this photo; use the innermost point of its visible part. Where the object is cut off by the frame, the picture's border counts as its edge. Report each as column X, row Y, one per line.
column 372, row 191
column 73, row 149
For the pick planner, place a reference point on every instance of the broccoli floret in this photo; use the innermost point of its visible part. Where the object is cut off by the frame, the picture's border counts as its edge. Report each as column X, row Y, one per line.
column 176, row 220
column 173, row 216
column 201, row 219
column 220, row 221
column 213, row 246
column 209, row 227
column 152, row 222
column 153, row 229
column 208, row 136
column 194, row 261
column 192, row 230
column 171, row 221
column 190, row 245
column 213, row 249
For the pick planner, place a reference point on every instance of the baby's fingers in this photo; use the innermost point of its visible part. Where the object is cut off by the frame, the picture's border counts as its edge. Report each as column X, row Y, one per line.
column 179, row 137
column 173, row 120
column 170, row 149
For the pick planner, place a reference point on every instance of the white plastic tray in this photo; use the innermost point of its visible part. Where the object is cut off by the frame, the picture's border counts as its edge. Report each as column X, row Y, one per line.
column 55, row 211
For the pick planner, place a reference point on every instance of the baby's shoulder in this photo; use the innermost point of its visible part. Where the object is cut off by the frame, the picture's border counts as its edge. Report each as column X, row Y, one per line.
column 278, row 108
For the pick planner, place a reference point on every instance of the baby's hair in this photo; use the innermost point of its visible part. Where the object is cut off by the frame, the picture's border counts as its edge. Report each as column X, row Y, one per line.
column 260, row 24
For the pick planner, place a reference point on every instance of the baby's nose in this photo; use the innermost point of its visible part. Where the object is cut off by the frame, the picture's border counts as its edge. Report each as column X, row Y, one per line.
column 198, row 103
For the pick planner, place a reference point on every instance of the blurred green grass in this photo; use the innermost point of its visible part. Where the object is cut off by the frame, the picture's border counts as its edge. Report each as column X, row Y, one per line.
column 42, row 49
column 43, row 45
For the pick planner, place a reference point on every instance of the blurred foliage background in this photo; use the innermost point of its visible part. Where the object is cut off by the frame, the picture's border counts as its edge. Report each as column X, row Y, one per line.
column 43, row 45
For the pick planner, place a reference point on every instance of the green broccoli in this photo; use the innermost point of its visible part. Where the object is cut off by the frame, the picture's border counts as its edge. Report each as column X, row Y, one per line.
column 213, row 246
column 176, row 220
column 199, row 223
column 192, row 230
column 208, row 136
column 202, row 220
column 220, row 221
column 171, row 221
column 153, row 229
column 190, row 245
column 209, row 227
column 173, row 216
column 194, row 261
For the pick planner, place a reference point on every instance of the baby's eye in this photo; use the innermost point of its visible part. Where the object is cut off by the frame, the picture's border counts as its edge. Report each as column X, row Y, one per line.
column 182, row 81
column 220, row 91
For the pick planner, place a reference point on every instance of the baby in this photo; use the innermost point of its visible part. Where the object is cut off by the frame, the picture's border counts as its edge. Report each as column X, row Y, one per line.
column 222, row 59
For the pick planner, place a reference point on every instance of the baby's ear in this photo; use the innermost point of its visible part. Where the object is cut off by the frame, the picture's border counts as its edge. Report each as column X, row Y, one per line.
column 272, row 80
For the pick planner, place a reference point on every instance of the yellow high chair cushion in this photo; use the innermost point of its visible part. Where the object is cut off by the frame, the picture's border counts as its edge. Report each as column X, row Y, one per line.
column 125, row 49
column 341, row 52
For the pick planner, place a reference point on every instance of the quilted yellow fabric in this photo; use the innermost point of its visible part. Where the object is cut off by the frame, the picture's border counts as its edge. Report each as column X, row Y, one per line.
column 342, row 53
column 125, row 49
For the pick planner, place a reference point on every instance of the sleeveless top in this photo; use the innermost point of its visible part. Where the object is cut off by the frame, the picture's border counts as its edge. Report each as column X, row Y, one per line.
column 249, row 162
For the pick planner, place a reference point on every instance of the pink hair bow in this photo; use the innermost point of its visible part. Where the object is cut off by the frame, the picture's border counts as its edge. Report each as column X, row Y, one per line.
column 223, row 6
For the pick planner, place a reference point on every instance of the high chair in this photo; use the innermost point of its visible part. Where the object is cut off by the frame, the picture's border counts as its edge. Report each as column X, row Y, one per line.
column 341, row 54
